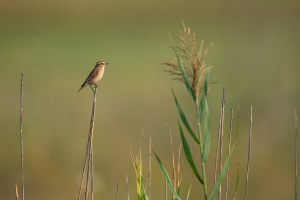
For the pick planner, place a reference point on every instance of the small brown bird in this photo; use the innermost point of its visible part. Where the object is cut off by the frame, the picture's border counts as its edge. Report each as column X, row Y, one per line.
column 95, row 75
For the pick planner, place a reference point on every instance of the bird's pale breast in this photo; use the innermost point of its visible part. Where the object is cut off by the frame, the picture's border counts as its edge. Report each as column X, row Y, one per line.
column 98, row 76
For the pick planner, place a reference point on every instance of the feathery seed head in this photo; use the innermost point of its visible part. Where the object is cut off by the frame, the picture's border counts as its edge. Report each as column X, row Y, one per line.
column 192, row 59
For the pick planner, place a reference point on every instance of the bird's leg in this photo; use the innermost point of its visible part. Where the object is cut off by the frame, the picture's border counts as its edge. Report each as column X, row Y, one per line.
column 92, row 88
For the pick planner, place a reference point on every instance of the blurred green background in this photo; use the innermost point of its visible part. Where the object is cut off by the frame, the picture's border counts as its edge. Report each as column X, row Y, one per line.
column 55, row 44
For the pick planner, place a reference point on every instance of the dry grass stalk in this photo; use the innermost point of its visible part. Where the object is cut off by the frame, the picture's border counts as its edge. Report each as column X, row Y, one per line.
column 127, row 187
column 21, row 136
column 217, row 149
column 117, row 196
column 166, row 189
column 149, row 166
column 296, row 156
column 221, row 138
column 229, row 148
column 193, row 60
column 176, row 169
column 17, row 193
column 88, row 160
column 249, row 154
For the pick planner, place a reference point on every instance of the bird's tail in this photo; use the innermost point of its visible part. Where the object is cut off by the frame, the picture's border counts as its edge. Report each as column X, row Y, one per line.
column 83, row 86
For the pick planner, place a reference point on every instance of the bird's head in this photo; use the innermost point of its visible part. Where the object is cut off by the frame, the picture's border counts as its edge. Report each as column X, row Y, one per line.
column 101, row 64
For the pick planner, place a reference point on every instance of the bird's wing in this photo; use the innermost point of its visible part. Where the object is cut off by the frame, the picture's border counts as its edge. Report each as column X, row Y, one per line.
column 92, row 75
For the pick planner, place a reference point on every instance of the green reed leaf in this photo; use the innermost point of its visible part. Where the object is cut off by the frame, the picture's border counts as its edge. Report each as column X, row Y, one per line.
column 237, row 182
column 183, row 118
column 188, row 155
column 206, row 144
column 167, row 177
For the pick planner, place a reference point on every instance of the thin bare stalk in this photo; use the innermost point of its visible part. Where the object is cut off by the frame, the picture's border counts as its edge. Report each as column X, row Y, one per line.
column 249, row 154
column 173, row 164
column 149, row 166
column 84, row 167
column 88, row 176
column 21, row 136
column 166, row 189
column 17, row 193
column 296, row 156
column 88, row 160
column 92, row 172
column 179, row 165
column 217, row 148
column 229, row 147
column 127, row 187
column 221, row 140
column 117, row 196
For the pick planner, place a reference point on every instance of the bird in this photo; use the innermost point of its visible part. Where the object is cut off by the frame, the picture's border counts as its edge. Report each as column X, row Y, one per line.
column 95, row 75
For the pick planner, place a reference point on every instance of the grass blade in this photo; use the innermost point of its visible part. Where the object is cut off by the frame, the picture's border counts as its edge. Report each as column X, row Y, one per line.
column 183, row 118
column 167, row 177
column 237, row 182
column 185, row 76
column 179, row 186
column 203, row 101
column 206, row 144
column 189, row 191
column 221, row 175
column 188, row 155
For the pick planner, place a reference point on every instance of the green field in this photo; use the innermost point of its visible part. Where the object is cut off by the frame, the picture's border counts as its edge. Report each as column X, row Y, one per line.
column 255, row 56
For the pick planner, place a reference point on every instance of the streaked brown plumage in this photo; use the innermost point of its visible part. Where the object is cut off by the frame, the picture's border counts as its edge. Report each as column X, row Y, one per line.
column 95, row 75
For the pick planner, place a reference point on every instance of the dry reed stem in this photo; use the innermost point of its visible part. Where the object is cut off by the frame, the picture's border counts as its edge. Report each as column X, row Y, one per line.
column 149, row 166
column 173, row 164
column 88, row 174
column 84, row 168
column 176, row 172
column 221, row 139
column 17, row 192
column 88, row 160
column 166, row 190
column 217, row 148
column 117, row 195
column 127, row 187
column 296, row 156
column 21, row 136
column 179, row 164
column 249, row 154
column 92, row 172
column 229, row 148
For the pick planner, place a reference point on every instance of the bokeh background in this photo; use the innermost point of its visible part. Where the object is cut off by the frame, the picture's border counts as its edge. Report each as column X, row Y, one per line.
column 56, row 43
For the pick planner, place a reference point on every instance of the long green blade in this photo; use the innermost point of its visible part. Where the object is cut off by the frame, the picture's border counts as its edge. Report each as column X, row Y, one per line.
column 167, row 177
column 237, row 182
column 204, row 105
column 188, row 155
column 179, row 186
column 221, row 175
column 203, row 102
column 185, row 76
column 189, row 191
column 183, row 118
column 206, row 144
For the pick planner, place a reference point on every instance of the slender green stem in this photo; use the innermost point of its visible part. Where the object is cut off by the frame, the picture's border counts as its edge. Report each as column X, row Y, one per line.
column 201, row 151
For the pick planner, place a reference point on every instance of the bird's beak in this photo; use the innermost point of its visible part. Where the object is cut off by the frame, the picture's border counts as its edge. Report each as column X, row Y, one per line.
column 107, row 63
